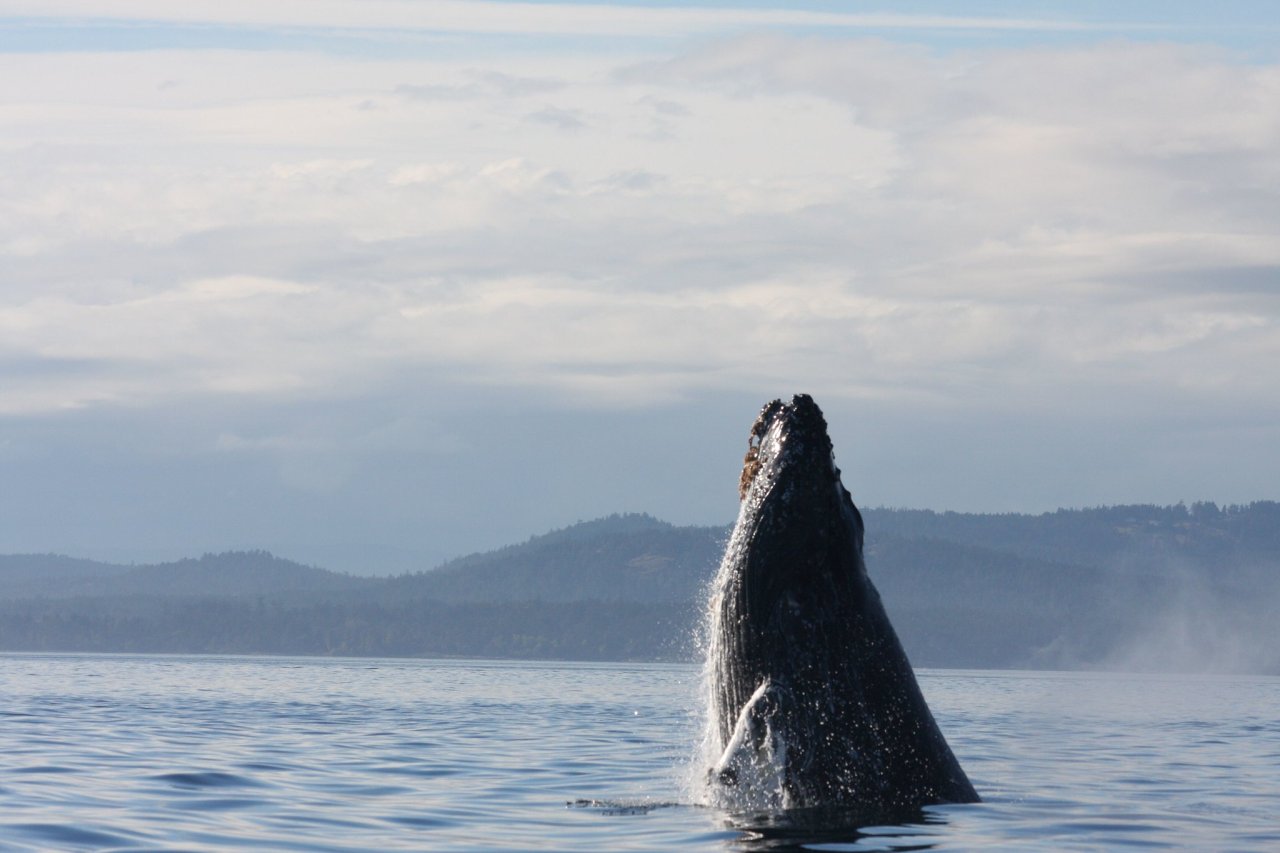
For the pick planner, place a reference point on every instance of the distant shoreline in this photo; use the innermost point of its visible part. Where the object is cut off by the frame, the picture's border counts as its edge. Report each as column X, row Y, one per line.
column 1126, row 589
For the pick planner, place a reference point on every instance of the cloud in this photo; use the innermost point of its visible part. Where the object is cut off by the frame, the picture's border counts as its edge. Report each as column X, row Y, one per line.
column 863, row 217
column 558, row 118
column 1010, row 285
column 480, row 84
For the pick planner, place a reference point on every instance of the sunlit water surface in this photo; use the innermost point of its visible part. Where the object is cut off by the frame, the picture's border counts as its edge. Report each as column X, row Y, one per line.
column 212, row 753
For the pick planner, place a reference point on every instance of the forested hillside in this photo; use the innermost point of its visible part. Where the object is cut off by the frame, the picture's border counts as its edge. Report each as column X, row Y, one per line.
column 620, row 558
column 234, row 574
column 1135, row 587
column 1203, row 532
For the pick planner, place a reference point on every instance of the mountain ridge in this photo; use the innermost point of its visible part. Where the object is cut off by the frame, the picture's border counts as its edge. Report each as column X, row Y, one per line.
column 1108, row 586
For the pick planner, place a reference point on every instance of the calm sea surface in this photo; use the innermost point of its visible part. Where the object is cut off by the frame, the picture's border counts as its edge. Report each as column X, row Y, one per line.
column 212, row 753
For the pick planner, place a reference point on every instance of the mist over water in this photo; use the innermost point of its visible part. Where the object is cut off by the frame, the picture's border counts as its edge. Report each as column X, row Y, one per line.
column 1190, row 600
column 1193, row 625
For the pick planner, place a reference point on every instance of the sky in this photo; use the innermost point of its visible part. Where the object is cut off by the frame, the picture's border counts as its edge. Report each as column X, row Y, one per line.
column 371, row 283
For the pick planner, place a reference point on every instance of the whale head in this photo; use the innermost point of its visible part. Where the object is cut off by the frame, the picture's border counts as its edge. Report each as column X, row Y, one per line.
column 798, row 542
column 790, row 470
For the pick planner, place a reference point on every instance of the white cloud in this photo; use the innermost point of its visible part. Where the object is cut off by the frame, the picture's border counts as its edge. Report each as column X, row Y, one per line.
column 854, row 216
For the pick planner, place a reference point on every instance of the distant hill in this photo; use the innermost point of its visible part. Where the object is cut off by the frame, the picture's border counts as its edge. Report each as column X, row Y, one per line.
column 231, row 574
column 1131, row 587
column 619, row 558
column 1203, row 532
column 42, row 574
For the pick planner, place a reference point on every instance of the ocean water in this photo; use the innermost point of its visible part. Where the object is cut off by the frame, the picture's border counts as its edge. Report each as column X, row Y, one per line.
column 105, row 752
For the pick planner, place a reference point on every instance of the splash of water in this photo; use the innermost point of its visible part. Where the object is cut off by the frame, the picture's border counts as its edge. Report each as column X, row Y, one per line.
column 758, row 773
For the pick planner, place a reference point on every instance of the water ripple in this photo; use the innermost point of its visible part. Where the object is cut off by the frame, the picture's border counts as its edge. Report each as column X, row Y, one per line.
column 203, row 754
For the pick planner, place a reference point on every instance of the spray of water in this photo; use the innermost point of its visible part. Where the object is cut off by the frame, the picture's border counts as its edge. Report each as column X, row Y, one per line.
column 1196, row 623
column 759, row 773
column 754, row 760
column 695, row 784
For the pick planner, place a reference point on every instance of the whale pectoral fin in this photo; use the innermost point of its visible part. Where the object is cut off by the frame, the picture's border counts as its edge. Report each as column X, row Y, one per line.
column 754, row 760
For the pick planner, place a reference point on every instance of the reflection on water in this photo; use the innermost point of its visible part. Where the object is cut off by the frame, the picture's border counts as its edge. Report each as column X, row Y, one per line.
column 799, row 829
column 835, row 829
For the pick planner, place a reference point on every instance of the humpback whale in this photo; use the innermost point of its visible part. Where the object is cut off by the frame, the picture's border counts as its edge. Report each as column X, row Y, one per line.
column 813, row 704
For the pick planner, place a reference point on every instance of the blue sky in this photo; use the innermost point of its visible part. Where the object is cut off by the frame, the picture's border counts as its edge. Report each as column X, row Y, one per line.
column 412, row 279
column 1248, row 27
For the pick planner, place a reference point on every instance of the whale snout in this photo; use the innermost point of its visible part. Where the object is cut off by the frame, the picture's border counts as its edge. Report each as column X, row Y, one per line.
column 788, row 441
